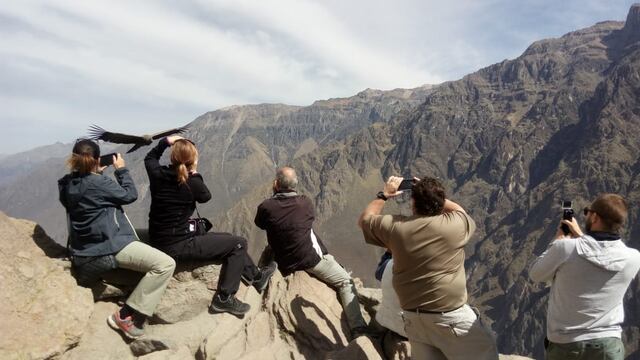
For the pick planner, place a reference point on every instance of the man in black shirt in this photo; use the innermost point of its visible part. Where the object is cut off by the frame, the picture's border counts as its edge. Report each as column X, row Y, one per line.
column 288, row 219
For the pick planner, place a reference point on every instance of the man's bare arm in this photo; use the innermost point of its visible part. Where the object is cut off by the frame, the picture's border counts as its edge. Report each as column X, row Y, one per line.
column 375, row 207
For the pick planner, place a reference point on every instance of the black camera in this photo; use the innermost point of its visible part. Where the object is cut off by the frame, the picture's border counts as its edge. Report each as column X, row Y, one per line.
column 107, row 160
column 567, row 214
column 407, row 184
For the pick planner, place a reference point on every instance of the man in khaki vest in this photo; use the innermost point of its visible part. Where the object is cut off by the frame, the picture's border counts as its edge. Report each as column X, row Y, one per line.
column 428, row 271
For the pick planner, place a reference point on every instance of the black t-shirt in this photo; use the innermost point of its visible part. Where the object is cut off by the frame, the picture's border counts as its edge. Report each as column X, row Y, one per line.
column 172, row 204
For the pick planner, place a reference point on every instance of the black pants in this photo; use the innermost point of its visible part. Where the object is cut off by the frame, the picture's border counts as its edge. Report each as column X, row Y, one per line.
column 229, row 249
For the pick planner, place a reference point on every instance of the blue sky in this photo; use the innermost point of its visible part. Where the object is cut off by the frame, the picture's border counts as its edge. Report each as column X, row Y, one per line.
column 142, row 66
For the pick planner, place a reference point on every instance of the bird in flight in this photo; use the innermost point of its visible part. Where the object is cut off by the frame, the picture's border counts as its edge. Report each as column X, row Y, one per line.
column 98, row 133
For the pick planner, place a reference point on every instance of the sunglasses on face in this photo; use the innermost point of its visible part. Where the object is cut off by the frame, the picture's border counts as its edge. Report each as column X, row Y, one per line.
column 587, row 210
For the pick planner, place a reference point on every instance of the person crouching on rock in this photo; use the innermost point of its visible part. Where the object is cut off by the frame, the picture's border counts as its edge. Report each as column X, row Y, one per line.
column 101, row 238
column 175, row 189
column 288, row 219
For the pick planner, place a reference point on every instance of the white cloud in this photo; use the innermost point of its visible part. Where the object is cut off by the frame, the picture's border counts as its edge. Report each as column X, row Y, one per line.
column 144, row 65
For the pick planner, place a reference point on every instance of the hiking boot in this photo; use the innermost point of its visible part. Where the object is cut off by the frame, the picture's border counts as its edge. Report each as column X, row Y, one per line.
column 231, row 305
column 126, row 325
column 266, row 273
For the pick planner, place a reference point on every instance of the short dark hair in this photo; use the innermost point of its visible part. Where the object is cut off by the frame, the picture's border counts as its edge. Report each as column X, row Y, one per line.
column 612, row 209
column 428, row 196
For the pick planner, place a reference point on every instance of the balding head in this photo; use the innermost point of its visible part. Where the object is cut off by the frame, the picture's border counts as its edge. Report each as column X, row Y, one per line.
column 286, row 179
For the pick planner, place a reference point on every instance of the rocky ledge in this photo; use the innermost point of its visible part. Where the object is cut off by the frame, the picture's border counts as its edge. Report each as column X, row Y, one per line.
column 47, row 316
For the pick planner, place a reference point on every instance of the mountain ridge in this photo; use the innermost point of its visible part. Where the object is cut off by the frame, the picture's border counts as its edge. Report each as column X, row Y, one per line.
column 509, row 141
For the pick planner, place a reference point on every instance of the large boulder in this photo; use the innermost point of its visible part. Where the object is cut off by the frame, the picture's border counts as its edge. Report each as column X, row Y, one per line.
column 309, row 313
column 298, row 318
column 362, row 348
column 189, row 292
column 99, row 340
column 43, row 312
column 47, row 316
column 257, row 335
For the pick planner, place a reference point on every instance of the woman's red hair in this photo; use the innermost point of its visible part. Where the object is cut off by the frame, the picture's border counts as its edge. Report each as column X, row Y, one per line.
column 184, row 156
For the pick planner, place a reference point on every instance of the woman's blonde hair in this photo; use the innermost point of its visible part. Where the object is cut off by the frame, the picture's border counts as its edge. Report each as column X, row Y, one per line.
column 184, row 156
column 85, row 157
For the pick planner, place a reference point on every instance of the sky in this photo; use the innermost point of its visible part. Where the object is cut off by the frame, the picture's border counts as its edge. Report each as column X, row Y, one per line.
column 144, row 66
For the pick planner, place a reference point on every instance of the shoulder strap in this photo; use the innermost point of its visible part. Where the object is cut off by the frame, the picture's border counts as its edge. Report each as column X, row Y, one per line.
column 68, row 236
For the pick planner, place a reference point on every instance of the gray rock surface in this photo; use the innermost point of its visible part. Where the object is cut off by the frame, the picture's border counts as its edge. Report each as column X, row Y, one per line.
column 47, row 316
column 43, row 312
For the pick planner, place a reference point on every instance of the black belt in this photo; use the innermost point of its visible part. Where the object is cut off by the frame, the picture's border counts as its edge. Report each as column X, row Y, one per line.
column 425, row 311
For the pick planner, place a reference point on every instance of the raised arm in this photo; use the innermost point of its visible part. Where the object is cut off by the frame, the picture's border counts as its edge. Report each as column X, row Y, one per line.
column 152, row 160
column 124, row 191
column 450, row 206
column 198, row 188
column 375, row 207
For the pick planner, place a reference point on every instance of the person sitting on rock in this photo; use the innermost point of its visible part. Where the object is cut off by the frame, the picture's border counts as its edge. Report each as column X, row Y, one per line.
column 101, row 237
column 288, row 219
column 175, row 189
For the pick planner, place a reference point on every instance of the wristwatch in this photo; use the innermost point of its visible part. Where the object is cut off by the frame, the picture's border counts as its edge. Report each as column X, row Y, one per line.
column 380, row 195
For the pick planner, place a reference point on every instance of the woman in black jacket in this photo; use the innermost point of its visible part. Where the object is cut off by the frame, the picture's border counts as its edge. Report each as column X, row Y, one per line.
column 101, row 237
column 175, row 189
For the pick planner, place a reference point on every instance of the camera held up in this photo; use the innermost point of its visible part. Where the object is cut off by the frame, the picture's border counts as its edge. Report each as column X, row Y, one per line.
column 567, row 214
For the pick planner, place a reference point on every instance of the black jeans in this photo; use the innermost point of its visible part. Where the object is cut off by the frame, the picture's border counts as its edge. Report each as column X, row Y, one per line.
column 229, row 249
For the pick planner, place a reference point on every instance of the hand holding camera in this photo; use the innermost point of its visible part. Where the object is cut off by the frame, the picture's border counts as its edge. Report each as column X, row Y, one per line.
column 569, row 224
column 118, row 161
column 392, row 187
column 114, row 159
column 106, row 160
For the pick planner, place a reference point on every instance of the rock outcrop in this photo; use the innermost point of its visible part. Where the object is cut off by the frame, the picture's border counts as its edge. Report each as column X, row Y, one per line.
column 509, row 141
column 44, row 313
column 47, row 316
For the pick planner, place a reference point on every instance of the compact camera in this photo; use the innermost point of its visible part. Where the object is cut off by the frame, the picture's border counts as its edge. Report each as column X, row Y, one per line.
column 567, row 214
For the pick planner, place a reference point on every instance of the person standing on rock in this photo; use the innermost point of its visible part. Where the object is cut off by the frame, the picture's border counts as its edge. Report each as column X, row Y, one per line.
column 175, row 189
column 389, row 312
column 288, row 219
column 101, row 238
column 589, row 275
column 428, row 271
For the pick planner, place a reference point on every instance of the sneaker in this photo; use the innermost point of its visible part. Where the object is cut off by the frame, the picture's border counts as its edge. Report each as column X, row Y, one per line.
column 232, row 305
column 265, row 275
column 126, row 325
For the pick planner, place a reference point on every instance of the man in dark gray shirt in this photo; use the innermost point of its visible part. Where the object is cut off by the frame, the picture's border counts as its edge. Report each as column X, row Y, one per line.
column 288, row 219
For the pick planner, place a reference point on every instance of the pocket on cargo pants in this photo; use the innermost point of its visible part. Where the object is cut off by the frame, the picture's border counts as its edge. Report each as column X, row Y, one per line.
column 459, row 322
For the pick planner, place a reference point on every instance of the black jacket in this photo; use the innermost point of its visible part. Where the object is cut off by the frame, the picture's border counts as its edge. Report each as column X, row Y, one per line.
column 172, row 204
column 288, row 220
column 97, row 223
